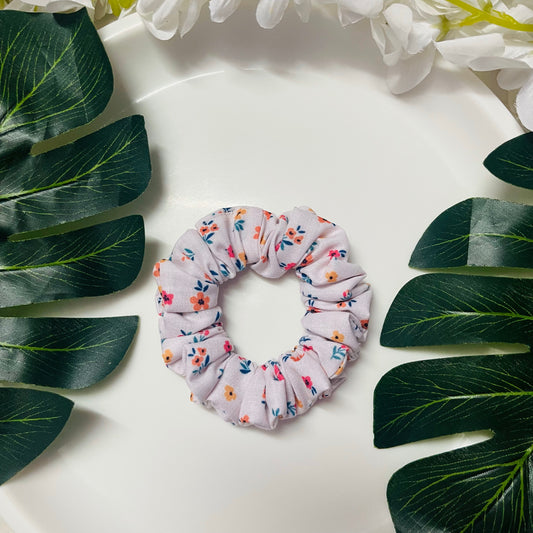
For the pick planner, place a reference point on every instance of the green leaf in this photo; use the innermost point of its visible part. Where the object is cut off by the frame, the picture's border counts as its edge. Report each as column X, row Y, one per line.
column 29, row 421
column 54, row 76
column 478, row 232
column 69, row 353
column 100, row 171
column 436, row 309
column 481, row 488
column 87, row 262
column 513, row 161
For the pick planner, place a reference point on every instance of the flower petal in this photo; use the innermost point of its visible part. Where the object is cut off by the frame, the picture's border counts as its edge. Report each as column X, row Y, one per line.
column 192, row 12
column 524, row 104
column 303, row 8
column 511, row 79
column 400, row 20
column 462, row 51
column 222, row 9
column 351, row 11
column 270, row 12
column 161, row 18
column 408, row 73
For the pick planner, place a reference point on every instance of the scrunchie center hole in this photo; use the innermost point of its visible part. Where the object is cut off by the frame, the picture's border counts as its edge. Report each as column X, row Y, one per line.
column 260, row 315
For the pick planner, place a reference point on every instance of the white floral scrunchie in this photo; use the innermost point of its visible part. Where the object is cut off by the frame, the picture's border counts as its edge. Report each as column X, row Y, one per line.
column 195, row 345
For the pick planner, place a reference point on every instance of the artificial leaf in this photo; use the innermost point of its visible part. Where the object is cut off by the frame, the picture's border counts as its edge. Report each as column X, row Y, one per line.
column 513, row 161
column 482, row 488
column 87, row 262
column 436, row 309
column 478, row 232
column 100, row 171
column 67, row 353
column 29, row 421
column 54, row 76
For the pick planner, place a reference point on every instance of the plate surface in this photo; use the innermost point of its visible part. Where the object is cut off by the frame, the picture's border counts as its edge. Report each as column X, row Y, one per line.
column 236, row 115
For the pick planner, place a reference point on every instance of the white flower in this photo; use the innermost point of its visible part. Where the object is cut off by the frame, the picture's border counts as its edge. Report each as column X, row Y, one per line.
column 270, row 12
column 406, row 41
column 165, row 17
column 350, row 11
column 221, row 9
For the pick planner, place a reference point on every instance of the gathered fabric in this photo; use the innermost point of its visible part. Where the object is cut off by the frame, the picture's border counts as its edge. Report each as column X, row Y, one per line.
column 195, row 345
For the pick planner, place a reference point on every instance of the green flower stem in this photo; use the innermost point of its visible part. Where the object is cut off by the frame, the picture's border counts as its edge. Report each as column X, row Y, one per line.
column 490, row 15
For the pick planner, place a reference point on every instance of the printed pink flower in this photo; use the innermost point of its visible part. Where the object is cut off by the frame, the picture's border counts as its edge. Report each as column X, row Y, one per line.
column 230, row 251
column 228, row 347
column 200, row 301
column 197, row 360
column 289, row 266
column 334, row 254
column 278, row 374
column 167, row 298
column 307, row 348
column 308, row 382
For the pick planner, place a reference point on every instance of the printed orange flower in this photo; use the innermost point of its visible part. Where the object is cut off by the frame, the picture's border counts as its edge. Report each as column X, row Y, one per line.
column 204, row 230
column 214, row 227
column 340, row 305
column 244, row 419
column 199, row 302
column 257, row 231
column 167, row 356
column 264, row 259
column 364, row 324
column 298, row 403
column 337, row 337
column 243, row 258
column 197, row 360
column 157, row 270
column 291, row 233
column 191, row 397
column 341, row 368
column 298, row 239
column 297, row 356
column 307, row 260
column 267, row 214
column 240, row 213
column 229, row 393
column 331, row 276
column 202, row 351
column 323, row 220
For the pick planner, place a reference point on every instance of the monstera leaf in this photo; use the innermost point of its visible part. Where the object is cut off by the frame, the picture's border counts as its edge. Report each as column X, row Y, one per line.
column 485, row 487
column 54, row 78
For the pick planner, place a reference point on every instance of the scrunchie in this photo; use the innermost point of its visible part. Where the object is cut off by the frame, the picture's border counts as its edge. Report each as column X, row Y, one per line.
column 195, row 345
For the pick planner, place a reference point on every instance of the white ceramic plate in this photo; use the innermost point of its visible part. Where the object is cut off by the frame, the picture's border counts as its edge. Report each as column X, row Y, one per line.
column 236, row 115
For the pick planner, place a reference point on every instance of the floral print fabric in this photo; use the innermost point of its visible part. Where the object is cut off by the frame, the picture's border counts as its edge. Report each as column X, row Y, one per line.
column 195, row 345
